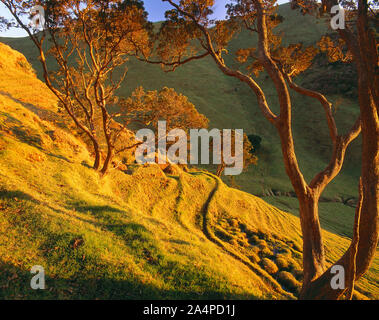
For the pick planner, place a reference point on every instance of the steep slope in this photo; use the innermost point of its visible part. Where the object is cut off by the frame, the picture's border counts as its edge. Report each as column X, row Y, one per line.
column 134, row 234
column 230, row 104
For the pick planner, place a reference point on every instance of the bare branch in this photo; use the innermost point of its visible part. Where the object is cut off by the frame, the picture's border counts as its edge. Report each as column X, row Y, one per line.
column 324, row 102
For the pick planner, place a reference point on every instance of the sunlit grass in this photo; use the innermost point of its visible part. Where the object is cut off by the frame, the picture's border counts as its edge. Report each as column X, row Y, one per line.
column 229, row 103
column 147, row 235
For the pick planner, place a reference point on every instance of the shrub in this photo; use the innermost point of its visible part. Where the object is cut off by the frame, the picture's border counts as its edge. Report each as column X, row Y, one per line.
column 294, row 265
column 298, row 273
column 282, row 262
column 25, row 65
column 286, row 252
column 262, row 244
column 220, row 233
column 254, row 239
column 243, row 242
column 269, row 266
column 234, row 223
column 255, row 249
column 286, row 263
column 233, row 242
column 289, row 281
column 253, row 257
column 255, row 142
column 266, row 252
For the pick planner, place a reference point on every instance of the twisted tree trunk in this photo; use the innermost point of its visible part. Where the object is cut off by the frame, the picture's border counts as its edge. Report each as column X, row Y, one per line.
column 316, row 280
column 363, row 47
column 313, row 248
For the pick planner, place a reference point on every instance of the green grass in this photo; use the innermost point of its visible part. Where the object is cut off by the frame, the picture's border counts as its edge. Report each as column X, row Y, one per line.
column 145, row 235
column 231, row 104
column 138, row 235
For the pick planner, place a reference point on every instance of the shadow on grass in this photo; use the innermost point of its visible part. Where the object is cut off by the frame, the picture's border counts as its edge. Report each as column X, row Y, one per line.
column 85, row 164
column 336, row 218
column 76, row 269
column 42, row 113
column 19, row 195
column 97, row 209
column 15, row 285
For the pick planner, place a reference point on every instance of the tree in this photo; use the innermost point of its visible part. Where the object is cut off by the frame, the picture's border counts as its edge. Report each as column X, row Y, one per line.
column 90, row 42
column 148, row 108
column 247, row 152
column 255, row 142
column 360, row 38
column 190, row 34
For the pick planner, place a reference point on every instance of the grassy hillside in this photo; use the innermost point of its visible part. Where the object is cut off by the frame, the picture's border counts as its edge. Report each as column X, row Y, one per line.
column 135, row 234
column 231, row 104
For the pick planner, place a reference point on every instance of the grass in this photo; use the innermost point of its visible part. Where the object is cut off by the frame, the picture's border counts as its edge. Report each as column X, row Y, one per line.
column 110, row 238
column 231, row 104
column 146, row 234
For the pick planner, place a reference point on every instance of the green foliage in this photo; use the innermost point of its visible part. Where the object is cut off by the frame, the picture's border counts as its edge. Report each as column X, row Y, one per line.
column 124, row 221
column 230, row 105
column 255, row 141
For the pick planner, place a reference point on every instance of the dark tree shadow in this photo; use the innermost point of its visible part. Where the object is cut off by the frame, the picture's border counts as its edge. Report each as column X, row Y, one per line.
column 11, row 195
column 15, row 285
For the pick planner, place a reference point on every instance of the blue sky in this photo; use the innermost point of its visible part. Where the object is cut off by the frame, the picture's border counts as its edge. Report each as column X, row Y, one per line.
column 156, row 9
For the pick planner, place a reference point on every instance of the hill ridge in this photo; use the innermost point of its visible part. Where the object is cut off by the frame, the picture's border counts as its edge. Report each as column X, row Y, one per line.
column 135, row 234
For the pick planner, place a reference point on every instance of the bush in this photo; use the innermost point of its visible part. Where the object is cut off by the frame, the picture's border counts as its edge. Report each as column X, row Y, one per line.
column 266, row 252
column 253, row 257
column 289, row 281
column 233, row 223
column 220, row 233
column 243, row 242
column 261, row 244
column 25, row 65
column 294, row 265
column 285, row 252
column 285, row 260
column 254, row 239
column 269, row 266
column 255, row 142
column 255, row 249
column 282, row 262
column 298, row 273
